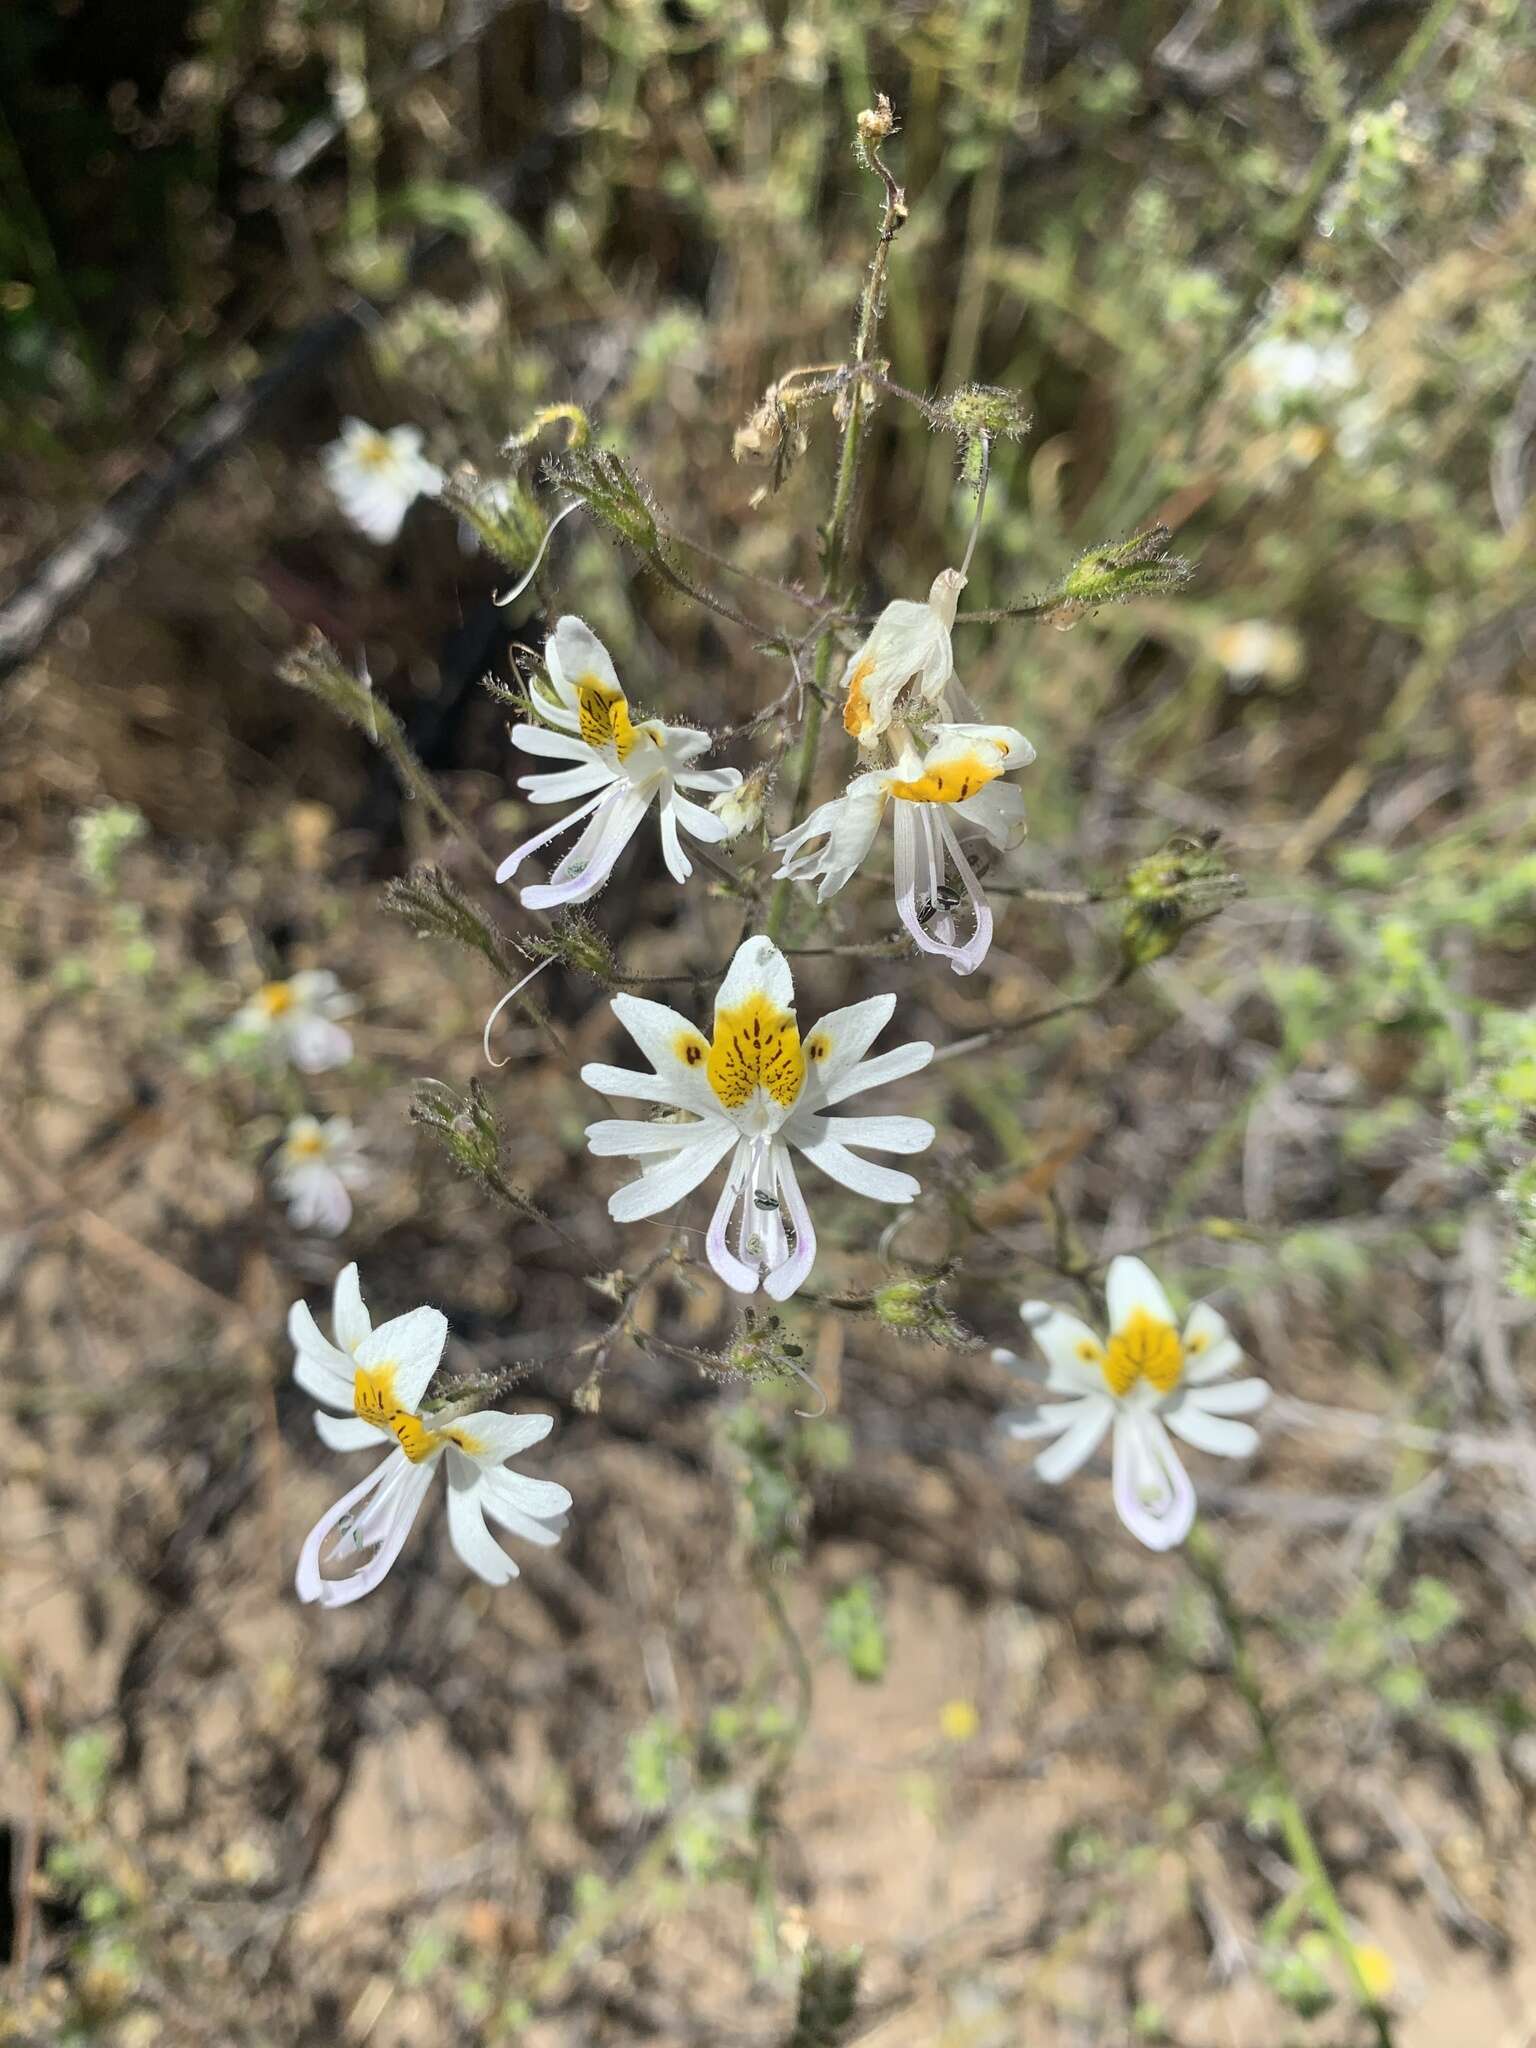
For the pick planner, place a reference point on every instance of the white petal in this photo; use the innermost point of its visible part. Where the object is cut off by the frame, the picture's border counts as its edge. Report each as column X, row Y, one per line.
column 573, row 652
column 349, row 1317
column 843, row 1037
column 1232, row 1397
column 628, row 1138
column 678, row 865
column 590, row 862
column 504, row 1436
column 784, row 1279
column 666, row 1036
column 759, row 969
column 1077, row 1442
column 567, row 784
column 519, row 854
column 1210, row 1350
column 406, row 1486
column 894, row 1065
column 316, row 1045
column 413, row 1345
column 880, row 1133
column 1071, row 1348
column 468, row 1534
column 671, row 1089
column 699, row 823
column 347, row 1433
column 878, row 1183
column 1213, row 1433
column 1132, row 1285
column 324, row 1373
column 732, row 1270
column 667, row 1183
column 556, row 746
column 502, row 1499
column 1153, row 1496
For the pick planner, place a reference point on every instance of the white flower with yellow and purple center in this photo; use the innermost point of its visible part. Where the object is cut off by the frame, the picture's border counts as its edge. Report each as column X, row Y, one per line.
column 621, row 768
column 376, row 1379
column 951, row 780
column 756, row 1093
column 1146, row 1379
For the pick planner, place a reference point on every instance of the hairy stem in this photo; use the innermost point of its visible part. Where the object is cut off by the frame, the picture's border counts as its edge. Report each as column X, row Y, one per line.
column 842, row 504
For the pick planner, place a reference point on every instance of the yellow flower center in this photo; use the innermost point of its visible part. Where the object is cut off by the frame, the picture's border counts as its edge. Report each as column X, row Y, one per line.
column 951, row 782
column 756, row 1045
column 375, row 452
column 856, row 708
column 274, row 997
column 1145, row 1349
column 306, row 1145
column 373, row 1398
column 604, row 714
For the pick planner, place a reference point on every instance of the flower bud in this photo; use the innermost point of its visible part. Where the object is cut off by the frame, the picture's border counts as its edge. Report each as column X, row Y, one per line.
column 1182, row 884
column 741, row 809
column 1123, row 569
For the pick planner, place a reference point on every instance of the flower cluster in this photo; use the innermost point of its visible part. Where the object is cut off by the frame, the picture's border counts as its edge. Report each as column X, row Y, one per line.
column 942, row 773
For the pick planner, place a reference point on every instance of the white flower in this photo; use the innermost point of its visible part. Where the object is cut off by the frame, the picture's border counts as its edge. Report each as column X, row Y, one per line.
column 956, row 780
column 316, row 1166
column 905, row 664
column 620, row 768
column 1286, row 373
column 756, row 1093
column 1146, row 1380
column 1251, row 650
column 298, row 1019
column 376, row 1378
column 377, row 477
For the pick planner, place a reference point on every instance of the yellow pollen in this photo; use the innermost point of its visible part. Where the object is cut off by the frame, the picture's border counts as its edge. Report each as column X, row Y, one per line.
column 1144, row 1349
column 604, row 715
column 949, row 783
column 373, row 1398
column 756, row 1045
column 856, row 709
column 274, row 997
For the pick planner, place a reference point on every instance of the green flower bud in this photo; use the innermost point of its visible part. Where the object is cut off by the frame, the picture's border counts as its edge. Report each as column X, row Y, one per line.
column 610, row 490
column 1182, row 884
column 1123, row 569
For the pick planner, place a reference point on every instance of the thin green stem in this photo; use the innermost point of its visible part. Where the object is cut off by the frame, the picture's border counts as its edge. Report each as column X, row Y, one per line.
column 1323, row 1900
column 842, row 505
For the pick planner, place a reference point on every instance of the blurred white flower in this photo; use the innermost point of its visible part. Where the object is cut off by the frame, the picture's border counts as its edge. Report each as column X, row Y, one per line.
column 1252, row 650
column 904, row 665
column 316, row 1167
column 620, row 768
column 375, row 1379
column 377, row 477
column 298, row 1019
column 1147, row 1379
column 755, row 1093
column 954, row 782
column 1284, row 371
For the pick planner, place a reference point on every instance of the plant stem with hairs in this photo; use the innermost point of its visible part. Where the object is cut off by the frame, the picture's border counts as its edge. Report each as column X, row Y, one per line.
column 870, row 306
